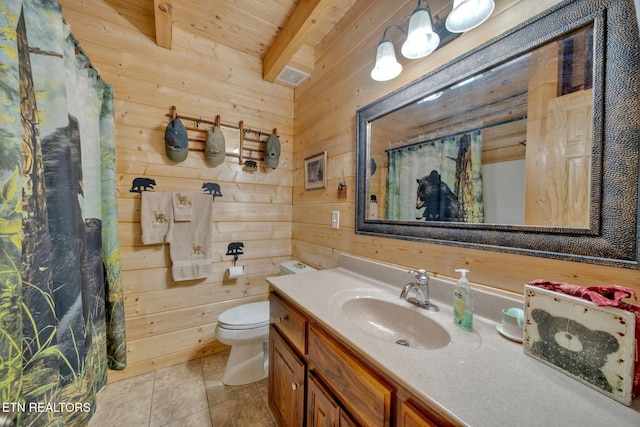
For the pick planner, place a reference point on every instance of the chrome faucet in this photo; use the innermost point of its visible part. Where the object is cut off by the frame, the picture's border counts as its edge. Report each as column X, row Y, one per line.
column 421, row 286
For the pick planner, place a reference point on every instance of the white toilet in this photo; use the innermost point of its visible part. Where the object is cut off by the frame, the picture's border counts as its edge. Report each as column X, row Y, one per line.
column 246, row 329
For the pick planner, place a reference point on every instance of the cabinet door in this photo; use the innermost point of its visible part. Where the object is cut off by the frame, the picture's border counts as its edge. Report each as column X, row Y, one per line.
column 286, row 382
column 322, row 409
column 412, row 417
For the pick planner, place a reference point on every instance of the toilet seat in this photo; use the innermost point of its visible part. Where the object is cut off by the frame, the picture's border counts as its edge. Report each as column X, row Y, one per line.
column 247, row 316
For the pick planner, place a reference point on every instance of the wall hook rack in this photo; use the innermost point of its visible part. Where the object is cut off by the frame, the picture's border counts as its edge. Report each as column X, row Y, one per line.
column 250, row 144
column 236, row 249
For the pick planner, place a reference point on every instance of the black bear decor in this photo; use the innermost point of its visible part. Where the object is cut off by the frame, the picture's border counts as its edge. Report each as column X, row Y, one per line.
column 140, row 184
column 235, row 249
column 212, row 188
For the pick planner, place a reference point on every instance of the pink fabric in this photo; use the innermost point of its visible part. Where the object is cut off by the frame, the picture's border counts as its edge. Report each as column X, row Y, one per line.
column 610, row 296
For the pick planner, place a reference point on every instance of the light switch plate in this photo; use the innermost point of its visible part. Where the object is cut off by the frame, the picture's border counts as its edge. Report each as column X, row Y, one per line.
column 335, row 219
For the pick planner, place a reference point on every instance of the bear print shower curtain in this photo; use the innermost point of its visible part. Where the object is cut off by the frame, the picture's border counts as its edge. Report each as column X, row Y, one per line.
column 437, row 180
column 61, row 308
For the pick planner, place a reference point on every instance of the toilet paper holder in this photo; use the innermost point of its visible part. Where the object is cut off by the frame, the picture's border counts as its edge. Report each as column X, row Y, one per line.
column 236, row 249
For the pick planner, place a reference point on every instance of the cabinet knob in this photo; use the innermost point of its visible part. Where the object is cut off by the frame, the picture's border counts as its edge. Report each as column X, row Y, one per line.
column 294, row 386
column 281, row 319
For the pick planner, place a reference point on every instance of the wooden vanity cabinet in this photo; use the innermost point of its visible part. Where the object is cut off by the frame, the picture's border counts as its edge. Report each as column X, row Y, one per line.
column 315, row 380
column 287, row 374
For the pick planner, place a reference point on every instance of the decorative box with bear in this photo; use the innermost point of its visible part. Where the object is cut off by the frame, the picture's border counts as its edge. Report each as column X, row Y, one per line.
column 593, row 344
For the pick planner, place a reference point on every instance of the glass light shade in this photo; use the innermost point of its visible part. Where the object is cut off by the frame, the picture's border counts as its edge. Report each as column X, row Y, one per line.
column 468, row 14
column 387, row 66
column 421, row 40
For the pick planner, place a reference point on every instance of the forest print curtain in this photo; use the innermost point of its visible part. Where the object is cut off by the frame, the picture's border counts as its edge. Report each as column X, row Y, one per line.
column 437, row 180
column 61, row 309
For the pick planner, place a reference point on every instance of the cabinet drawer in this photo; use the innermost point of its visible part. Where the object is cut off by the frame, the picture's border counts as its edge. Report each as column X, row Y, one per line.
column 364, row 395
column 288, row 321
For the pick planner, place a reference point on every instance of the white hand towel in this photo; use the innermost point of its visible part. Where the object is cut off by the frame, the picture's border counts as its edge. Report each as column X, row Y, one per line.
column 191, row 246
column 156, row 216
column 182, row 206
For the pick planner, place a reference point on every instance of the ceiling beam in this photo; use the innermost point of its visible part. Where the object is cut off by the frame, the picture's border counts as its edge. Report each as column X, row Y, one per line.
column 164, row 25
column 293, row 35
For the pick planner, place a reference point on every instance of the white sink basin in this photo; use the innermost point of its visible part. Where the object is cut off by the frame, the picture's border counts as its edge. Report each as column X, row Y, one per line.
column 394, row 323
column 382, row 315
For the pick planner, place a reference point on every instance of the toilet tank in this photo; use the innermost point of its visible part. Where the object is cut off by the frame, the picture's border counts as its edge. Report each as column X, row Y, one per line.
column 295, row 267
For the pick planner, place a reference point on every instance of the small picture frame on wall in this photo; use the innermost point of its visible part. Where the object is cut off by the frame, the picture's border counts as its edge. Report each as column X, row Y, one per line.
column 315, row 176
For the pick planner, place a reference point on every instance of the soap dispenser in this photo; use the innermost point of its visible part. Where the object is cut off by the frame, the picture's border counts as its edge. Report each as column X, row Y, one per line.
column 462, row 302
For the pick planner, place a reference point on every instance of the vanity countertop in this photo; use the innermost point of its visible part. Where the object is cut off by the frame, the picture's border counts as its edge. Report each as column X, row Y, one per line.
column 493, row 384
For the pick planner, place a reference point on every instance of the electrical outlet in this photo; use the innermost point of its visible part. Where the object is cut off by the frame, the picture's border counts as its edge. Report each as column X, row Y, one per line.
column 335, row 219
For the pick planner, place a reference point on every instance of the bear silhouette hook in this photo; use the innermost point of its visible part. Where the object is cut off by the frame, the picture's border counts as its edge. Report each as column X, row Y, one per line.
column 235, row 249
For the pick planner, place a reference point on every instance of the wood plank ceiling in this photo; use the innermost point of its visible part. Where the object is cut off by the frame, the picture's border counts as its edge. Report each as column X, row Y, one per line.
column 280, row 32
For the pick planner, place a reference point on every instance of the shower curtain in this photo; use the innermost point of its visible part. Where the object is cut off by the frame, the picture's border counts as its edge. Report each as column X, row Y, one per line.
column 437, row 180
column 61, row 308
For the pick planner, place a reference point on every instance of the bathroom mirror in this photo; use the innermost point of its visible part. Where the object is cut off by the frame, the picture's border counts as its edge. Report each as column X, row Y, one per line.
column 527, row 144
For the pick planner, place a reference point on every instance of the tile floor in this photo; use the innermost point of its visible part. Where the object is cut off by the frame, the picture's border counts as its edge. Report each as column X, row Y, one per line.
column 184, row 395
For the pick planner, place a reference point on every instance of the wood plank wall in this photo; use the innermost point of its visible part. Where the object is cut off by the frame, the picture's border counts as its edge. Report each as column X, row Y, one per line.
column 170, row 322
column 325, row 109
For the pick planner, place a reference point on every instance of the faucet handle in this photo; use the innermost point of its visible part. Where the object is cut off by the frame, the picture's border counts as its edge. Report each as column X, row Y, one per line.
column 421, row 276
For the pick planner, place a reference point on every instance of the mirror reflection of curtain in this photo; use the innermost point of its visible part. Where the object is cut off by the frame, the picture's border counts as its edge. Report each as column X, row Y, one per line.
column 438, row 180
column 61, row 307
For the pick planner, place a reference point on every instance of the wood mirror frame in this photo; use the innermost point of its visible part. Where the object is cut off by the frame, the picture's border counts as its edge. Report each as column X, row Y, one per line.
column 612, row 238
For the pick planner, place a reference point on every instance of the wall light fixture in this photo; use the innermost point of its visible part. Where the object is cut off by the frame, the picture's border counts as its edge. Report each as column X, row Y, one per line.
column 387, row 66
column 422, row 38
column 468, row 14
